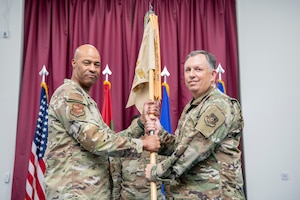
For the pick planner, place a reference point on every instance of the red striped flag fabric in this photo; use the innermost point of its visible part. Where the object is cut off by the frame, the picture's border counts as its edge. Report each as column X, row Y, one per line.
column 37, row 167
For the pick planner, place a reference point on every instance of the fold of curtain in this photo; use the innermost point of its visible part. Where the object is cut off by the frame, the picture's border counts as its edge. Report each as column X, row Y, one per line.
column 53, row 29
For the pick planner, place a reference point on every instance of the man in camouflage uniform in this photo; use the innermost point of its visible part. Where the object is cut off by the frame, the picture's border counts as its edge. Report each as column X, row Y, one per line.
column 80, row 142
column 129, row 180
column 128, row 175
column 205, row 161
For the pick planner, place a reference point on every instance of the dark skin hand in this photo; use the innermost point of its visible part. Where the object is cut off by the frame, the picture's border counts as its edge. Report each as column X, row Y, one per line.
column 148, row 118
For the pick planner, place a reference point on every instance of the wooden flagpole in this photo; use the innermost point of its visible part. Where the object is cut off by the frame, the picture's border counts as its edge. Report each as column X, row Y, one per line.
column 152, row 154
column 154, row 82
column 155, row 88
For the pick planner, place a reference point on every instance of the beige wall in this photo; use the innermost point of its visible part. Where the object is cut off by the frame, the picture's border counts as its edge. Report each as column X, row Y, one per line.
column 269, row 52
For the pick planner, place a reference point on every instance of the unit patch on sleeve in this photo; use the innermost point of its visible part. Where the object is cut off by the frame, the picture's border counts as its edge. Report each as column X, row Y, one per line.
column 77, row 110
column 210, row 120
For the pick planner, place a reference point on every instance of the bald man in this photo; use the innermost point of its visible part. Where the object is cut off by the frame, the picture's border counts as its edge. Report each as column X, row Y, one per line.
column 79, row 141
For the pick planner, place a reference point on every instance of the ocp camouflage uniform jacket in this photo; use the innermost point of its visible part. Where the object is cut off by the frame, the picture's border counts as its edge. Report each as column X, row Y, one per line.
column 206, row 163
column 129, row 181
column 79, row 144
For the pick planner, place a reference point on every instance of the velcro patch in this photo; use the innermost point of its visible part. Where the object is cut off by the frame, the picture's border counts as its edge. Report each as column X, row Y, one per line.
column 77, row 110
column 210, row 120
column 75, row 97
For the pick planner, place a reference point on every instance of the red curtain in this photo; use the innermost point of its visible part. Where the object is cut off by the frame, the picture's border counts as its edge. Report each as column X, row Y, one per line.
column 53, row 29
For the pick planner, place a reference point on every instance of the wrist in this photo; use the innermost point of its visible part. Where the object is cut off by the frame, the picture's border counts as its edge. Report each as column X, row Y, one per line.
column 140, row 123
column 143, row 119
column 144, row 144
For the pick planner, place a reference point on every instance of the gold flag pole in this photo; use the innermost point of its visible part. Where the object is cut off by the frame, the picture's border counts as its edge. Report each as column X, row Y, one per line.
column 147, row 80
column 153, row 188
column 152, row 154
column 154, row 86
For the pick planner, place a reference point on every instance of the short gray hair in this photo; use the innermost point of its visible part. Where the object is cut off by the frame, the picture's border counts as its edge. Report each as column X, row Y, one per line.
column 211, row 59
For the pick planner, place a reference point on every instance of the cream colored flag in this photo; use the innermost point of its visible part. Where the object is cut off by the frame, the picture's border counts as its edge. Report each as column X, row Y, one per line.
column 148, row 59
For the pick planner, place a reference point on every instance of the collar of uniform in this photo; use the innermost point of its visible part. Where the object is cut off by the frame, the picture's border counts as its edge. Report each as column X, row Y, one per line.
column 200, row 98
column 195, row 102
column 78, row 87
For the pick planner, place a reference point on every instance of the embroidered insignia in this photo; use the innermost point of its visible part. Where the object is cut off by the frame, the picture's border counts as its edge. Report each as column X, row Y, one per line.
column 211, row 120
column 77, row 110
column 140, row 73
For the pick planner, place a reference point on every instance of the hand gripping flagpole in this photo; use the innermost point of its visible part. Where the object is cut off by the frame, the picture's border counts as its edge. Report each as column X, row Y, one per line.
column 152, row 154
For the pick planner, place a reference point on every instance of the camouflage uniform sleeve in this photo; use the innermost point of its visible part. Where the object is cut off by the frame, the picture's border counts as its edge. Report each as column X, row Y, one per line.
column 83, row 121
column 100, row 141
column 134, row 130
column 116, row 174
column 195, row 146
column 167, row 143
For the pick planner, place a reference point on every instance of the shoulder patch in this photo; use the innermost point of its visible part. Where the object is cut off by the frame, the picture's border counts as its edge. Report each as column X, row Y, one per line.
column 77, row 110
column 210, row 120
column 76, row 105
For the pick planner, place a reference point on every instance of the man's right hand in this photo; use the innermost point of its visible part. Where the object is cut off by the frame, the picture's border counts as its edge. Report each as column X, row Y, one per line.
column 150, row 110
column 152, row 124
column 151, row 143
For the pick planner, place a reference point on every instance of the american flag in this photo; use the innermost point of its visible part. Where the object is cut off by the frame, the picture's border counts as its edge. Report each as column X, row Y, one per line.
column 37, row 167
